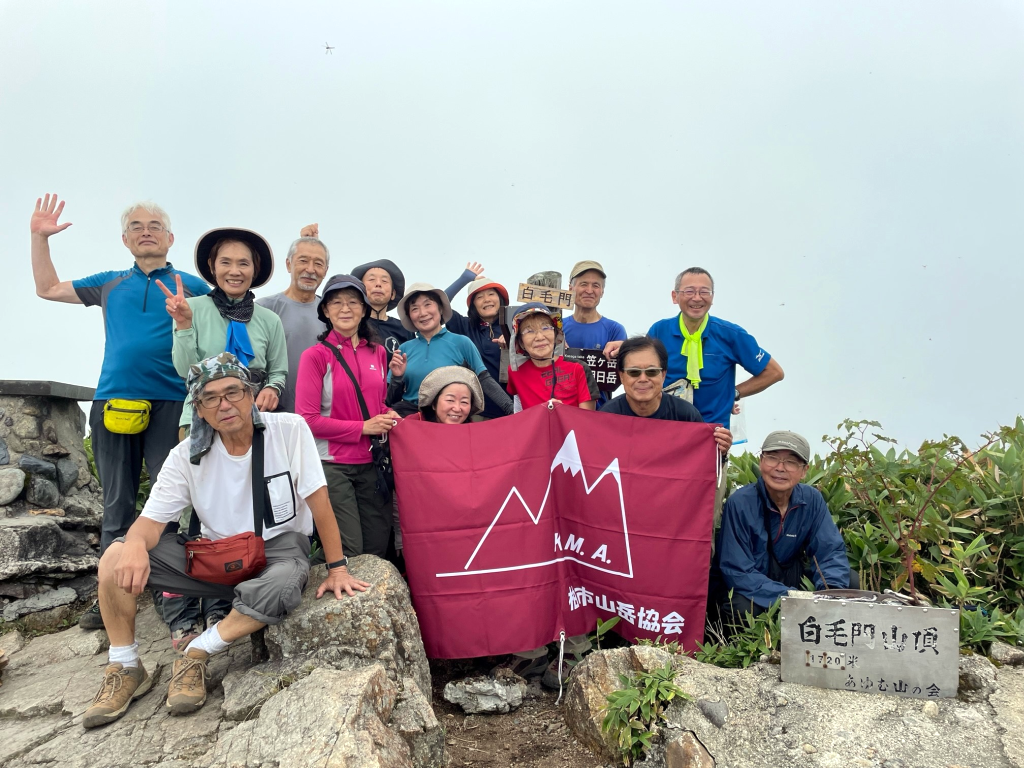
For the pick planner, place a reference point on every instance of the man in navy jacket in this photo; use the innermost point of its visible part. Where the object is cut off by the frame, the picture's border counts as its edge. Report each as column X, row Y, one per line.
column 776, row 530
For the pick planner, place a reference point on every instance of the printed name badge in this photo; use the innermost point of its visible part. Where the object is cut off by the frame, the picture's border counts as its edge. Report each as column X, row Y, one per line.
column 282, row 497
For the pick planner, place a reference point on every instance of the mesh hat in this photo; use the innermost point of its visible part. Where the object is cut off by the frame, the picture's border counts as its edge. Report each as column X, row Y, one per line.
column 439, row 296
column 788, row 441
column 336, row 283
column 397, row 278
column 583, row 266
column 256, row 242
column 439, row 378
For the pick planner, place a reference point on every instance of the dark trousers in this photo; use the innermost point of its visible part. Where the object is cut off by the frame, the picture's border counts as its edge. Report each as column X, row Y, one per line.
column 732, row 610
column 119, row 462
column 363, row 515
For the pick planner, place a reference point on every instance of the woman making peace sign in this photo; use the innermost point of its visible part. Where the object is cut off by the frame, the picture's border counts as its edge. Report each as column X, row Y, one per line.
column 227, row 320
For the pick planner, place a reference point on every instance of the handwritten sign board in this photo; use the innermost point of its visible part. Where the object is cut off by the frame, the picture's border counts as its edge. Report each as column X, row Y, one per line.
column 606, row 372
column 871, row 648
column 552, row 297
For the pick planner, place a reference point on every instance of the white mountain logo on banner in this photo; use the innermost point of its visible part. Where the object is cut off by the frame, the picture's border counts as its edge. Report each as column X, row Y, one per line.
column 591, row 528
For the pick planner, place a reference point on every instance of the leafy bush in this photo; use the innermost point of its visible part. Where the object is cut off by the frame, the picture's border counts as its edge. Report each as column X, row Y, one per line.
column 743, row 643
column 633, row 713
column 945, row 523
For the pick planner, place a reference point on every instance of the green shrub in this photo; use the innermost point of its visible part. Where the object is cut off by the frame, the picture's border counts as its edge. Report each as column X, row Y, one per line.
column 946, row 522
column 633, row 713
column 743, row 643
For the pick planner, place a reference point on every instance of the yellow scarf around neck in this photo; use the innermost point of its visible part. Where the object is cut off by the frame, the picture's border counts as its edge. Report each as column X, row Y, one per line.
column 693, row 348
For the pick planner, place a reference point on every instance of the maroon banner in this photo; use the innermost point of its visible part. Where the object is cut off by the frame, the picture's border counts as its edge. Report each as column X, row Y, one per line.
column 519, row 528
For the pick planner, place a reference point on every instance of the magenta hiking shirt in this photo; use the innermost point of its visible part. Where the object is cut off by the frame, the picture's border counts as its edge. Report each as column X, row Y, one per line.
column 326, row 399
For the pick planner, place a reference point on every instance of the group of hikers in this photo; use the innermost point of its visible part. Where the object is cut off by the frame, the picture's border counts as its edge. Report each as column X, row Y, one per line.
column 215, row 390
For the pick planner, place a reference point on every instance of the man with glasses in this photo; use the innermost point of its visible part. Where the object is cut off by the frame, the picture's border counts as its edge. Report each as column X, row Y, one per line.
column 136, row 357
column 703, row 351
column 213, row 472
column 642, row 364
column 776, row 531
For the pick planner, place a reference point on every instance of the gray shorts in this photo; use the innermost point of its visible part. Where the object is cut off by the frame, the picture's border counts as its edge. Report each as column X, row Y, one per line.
column 268, row 598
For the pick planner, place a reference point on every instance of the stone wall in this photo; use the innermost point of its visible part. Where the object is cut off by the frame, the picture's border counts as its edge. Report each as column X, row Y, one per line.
column 51, row 507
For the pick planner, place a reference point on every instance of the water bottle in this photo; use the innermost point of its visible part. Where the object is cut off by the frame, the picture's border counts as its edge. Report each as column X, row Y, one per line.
column 738, row 425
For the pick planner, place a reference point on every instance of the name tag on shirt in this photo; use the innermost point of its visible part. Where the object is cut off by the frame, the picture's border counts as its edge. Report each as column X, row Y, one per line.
column 282, row 497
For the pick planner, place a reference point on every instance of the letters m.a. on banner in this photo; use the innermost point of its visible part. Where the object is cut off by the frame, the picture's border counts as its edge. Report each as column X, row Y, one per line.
column 518, row 528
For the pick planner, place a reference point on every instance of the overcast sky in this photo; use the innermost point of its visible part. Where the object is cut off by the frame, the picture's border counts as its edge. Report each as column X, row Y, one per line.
column 851, row 173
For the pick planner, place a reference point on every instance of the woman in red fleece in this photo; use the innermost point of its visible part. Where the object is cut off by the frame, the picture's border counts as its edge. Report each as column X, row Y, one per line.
column 327, row 396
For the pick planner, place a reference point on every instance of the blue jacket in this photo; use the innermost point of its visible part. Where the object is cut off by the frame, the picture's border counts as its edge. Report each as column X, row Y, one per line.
column 742, row 551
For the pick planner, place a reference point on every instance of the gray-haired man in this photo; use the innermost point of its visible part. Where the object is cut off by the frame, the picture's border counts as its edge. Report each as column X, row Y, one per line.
column 137, row 365
column 307, row 263
column 213, row 472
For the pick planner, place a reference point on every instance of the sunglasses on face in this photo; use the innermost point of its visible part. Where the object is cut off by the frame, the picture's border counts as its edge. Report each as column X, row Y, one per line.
column 650, row 373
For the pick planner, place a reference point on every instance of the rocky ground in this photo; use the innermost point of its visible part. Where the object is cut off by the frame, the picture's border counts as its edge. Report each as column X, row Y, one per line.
column 751, row 719
column 532, row 736
column 355, row 699
column 347, row 684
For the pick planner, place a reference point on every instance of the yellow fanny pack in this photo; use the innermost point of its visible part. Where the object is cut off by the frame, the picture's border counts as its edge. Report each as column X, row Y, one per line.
column 126, row 417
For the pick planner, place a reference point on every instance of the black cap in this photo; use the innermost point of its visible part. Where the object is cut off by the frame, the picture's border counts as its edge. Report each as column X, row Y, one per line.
column 336, row 283
column 255, row 241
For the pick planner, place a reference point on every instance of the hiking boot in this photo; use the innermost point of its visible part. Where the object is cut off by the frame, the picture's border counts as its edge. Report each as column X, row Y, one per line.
column 181, row 637
column 528, row 669
column 550, row 678
column 121, row 686
column 91, row 619
column 213, row 617
column 187, row 690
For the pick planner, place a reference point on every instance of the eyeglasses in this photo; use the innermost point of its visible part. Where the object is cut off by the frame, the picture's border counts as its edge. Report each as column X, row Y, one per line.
column 650, row 373
column 790, row 465
column 233, row 395
column 350, row 303
column 153, row 226
column 704, row 293
column 534, row 331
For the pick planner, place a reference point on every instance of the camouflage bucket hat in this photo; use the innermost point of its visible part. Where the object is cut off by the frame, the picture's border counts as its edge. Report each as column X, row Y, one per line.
column 222, row 366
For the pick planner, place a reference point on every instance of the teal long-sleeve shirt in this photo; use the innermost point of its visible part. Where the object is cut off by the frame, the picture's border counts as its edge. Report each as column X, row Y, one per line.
column 208, row 336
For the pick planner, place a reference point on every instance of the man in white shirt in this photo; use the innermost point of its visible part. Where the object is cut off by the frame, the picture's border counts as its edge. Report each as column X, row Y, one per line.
column 212, row 471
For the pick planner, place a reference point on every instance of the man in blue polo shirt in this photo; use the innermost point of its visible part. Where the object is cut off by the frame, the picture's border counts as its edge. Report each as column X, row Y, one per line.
column 136, row 356
column 703, row 351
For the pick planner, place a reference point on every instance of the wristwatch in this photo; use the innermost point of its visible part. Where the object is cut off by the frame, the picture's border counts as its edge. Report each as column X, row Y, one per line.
column 737, row 398
column 337, row 564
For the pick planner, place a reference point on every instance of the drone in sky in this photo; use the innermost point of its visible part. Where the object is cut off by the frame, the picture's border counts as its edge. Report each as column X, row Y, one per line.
column 328, row 48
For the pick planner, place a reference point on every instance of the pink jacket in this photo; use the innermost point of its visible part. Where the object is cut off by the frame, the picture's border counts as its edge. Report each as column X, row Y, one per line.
column 326, row 399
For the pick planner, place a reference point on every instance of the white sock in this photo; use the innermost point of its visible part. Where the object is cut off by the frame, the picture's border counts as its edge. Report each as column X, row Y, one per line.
column 210, row 641
column 125, row 655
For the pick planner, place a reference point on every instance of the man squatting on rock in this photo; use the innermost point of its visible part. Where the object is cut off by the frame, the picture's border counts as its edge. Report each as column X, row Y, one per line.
column 212, row 472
